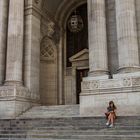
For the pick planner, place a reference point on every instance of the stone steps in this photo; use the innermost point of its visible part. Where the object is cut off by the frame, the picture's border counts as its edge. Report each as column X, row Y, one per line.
column 82, row 132
column 70, row 128
column 91, row 137
column 52, row 111
column 65, row 123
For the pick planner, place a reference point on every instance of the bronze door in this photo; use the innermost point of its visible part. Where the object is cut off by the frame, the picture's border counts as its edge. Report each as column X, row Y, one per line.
column 79, row 76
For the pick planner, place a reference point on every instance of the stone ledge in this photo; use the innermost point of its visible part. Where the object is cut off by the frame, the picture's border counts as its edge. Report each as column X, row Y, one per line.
column 111, row 84
column 17, row 92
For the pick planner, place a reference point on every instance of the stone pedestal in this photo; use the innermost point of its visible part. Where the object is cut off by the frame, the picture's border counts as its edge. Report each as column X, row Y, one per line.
column 15, row 100
column 124, row 90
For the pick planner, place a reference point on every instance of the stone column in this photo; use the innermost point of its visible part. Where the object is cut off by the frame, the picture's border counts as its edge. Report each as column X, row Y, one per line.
column 15, row 42
column 127, row 36
column 98, row 61
column 32, row 50
column 3, row 34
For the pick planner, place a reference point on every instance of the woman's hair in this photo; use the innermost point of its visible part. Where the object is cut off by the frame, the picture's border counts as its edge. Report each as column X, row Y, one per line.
column 111, row 102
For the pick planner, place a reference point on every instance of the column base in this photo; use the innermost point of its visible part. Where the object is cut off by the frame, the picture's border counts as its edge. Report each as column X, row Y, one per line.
column 129, row 69
column 123, row 75
column 98, row 73
column 13, row 83
column 14, row 100
column 124, row 90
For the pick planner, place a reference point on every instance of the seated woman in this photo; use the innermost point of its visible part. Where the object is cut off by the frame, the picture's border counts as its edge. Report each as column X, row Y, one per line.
column 110, row 114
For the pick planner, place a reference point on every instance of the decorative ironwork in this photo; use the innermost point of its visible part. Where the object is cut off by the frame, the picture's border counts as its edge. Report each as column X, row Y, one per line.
column 75, row 23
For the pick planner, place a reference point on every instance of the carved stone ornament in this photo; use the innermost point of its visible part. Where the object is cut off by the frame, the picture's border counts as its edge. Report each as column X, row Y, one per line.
column 47, row 48
column 47, row 28
column 127, row 82
column 86, row 85
column 136, row 81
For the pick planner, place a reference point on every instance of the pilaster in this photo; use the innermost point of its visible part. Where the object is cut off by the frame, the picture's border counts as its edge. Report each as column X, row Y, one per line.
column 32, row 47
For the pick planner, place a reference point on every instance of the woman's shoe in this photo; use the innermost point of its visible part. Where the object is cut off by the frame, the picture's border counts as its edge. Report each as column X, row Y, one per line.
column 111, row 125
column 107, row 123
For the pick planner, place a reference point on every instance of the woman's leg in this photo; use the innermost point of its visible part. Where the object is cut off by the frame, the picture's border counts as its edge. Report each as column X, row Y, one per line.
column 112, row 118
column 109, row 118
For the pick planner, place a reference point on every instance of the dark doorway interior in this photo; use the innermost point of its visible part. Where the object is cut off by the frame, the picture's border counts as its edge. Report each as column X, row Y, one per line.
column 79, row 76
column 79, row 40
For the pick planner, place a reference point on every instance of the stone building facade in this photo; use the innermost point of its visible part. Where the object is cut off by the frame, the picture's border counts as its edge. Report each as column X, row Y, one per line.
column 37, row 67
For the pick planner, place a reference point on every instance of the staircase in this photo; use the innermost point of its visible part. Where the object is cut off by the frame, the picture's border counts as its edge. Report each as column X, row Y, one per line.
column 49, row 127
column 52, row 111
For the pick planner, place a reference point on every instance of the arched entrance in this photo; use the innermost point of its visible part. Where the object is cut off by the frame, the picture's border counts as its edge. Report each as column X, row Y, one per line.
column 60, row 78
column 75, row 57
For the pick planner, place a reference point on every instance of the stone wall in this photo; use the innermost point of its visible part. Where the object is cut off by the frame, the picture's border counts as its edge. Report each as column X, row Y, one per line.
column 68, row 89
column 48, row 83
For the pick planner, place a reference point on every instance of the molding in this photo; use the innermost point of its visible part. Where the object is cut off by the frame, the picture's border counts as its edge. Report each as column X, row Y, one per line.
column 65, row 9
column 32, row 10
column 125, row 84
column 16, row 92
column 79, row 56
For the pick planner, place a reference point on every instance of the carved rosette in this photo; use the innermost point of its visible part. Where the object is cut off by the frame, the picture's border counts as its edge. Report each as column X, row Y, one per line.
column 90, row 85
column 94, row 84
column 127, row 82
column 136, row 81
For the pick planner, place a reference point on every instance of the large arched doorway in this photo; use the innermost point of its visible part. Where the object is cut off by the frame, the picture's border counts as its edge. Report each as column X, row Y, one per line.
column 63, row 64
column 75, row 53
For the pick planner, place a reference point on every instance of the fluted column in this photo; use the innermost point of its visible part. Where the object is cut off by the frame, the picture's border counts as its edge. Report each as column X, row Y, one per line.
column 127, row 36
column 3, row 33
column 15, row 42
column 98, row 61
